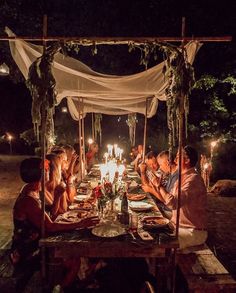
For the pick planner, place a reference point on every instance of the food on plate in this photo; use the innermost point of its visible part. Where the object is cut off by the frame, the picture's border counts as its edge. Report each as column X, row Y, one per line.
column 84, row 205
column 136, row 196
column 82, row 214
column 155, row 221
column 83, row 190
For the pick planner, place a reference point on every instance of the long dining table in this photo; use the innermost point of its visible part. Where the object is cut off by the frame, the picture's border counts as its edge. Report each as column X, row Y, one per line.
column 161, row 249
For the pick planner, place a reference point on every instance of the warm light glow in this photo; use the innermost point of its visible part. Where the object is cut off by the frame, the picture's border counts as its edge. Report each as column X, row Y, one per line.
column 110, row 149
column 103, row 170
column 64, row 110
column 106, row 155
column 121, row 152
column 121, row 169
column 112, row 168
column 9, row 137
column 205, row 166
column 4, row 69
column 213, row 144
column 90, row 141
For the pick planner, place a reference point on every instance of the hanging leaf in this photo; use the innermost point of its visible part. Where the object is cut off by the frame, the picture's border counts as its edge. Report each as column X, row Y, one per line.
column 41, row 84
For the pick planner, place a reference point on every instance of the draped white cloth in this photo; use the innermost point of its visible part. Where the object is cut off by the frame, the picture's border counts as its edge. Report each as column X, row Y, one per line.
column 101, row 93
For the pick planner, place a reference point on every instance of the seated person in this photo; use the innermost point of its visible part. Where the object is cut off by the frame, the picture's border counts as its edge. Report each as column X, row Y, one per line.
column 27, row 214
column 168, row 173
column 133, row 154
column 73, row 165
column 167, row 170
column 91, row 155
column 193, row 201
column 138, row 158
column 148, row 169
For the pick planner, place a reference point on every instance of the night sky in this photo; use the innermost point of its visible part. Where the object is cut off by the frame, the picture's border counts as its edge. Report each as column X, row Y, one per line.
column 112, row 18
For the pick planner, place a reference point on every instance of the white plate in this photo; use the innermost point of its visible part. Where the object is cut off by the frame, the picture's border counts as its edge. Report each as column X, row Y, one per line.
column 134, row 173
column 133, row 176
column 108, row 231
column 81, row 197
column 80, row 206
column 140, row 206
column 70, row 216
column 154, row 221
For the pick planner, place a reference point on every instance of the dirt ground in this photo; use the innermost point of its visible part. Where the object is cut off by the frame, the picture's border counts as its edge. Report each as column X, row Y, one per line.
column 221, row 214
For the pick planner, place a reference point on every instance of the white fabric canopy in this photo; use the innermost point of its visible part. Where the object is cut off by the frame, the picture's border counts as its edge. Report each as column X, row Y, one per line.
column 101, row 93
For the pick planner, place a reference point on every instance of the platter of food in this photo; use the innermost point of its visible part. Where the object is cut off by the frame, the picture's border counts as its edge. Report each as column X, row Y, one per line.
column 154, row 222
column 108, row 229
column 140, row 206
column 83, row 205
column 136, row 196
column 73, row 216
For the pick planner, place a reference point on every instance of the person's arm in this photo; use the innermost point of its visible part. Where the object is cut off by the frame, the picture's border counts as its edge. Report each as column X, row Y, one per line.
column 153, row 191
column 70, row 189
column 60, row 205
column 34, row 214
column 143, row 168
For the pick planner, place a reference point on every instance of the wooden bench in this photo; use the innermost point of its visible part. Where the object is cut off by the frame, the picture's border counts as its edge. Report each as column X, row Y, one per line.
column 203, row 272
column 10, row 280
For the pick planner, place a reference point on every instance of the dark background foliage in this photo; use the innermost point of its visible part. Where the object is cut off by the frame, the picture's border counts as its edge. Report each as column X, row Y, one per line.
column 212, row 101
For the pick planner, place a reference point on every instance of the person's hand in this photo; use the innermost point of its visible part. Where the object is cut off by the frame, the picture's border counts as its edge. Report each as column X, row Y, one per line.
column 89, row 222
column 156, row 181
column 146, row 188
column 74, row 157
column 143, row 167
column 60, row 189
column 71, row 179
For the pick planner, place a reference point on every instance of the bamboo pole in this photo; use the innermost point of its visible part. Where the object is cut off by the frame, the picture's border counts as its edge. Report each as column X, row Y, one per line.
column 92, row 127
column 43, row 154
column 145, row 130
column 83, row 136
column 89, row 41
column 180, row 146
column 80, row 145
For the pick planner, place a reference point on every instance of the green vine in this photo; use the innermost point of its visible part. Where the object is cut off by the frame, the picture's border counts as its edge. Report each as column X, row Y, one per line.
column 41, row 84
column 180, row 75
column 178, row 71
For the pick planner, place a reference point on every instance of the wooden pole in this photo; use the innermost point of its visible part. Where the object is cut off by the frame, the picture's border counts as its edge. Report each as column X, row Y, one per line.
column 92, row 127
column 83, row 136
column 80, row 145
column 43, row 154
column 180, row 134
column 145, row 131
column 89, row 41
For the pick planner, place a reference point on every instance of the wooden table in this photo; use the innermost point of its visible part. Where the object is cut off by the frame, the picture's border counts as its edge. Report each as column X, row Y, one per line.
column 82, row 243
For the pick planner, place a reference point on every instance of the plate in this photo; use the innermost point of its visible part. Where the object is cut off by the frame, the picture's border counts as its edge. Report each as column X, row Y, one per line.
column 83, row 190
column 71, row 216
column 133, row 175
column 81, row 206
column 140, row 206
column 81, row 197
column 136, row 196
column 154, row 222
column 108, row 230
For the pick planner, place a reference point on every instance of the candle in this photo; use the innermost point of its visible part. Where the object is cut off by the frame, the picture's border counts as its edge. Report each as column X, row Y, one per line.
column 106, row 155
column 121, row 169
column 110, row 148
column 103, row 170
column 115, row 149
column 121, row 152
column 112, row 168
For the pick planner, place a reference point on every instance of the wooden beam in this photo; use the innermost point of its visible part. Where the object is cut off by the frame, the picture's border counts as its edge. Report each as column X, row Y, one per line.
column 90, row 41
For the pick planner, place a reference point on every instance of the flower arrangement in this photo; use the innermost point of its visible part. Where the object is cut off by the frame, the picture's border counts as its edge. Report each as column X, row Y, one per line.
column 106, row 192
